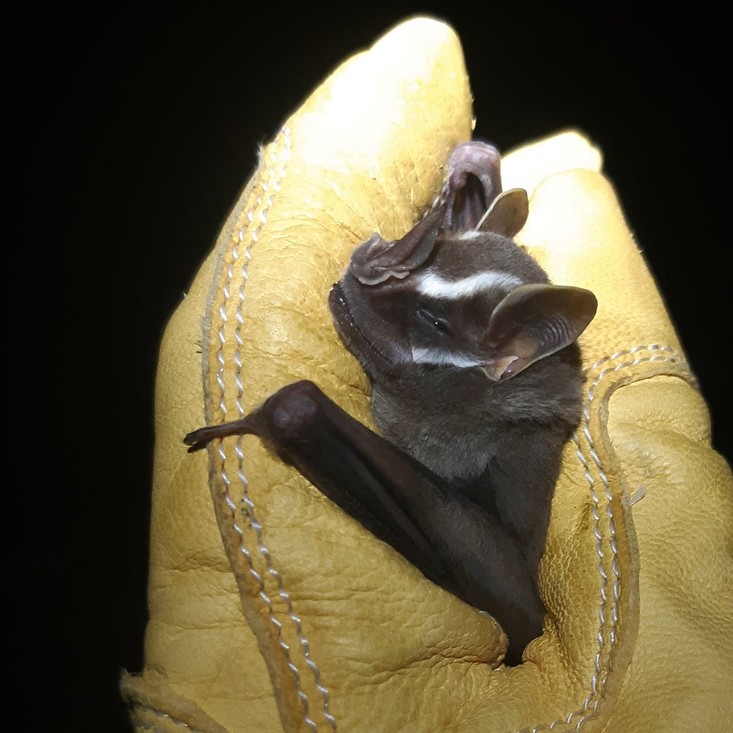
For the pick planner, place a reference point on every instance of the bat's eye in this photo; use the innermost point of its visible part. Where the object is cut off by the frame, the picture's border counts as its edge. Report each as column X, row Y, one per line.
column 434, row 320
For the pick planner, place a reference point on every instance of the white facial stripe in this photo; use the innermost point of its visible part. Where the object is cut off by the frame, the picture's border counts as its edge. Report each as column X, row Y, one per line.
column 435, row 286
column 441, row 357
column 471, row 234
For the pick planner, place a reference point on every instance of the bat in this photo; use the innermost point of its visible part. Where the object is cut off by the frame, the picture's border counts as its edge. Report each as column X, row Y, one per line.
column 476, row 384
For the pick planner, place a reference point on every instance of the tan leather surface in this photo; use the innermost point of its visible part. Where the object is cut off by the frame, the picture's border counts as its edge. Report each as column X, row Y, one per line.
column 272, row 610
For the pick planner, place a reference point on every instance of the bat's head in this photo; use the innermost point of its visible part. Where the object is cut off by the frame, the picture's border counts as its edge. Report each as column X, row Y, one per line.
column 456, row 292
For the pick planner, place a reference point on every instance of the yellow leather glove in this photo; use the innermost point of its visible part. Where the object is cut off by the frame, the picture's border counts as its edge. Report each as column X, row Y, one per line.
column 273, row 610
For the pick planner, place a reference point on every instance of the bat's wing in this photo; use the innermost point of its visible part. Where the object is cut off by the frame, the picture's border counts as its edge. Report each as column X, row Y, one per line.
column 453, row 541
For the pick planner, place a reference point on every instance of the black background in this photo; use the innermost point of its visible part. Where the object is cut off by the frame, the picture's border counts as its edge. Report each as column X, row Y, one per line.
column 136, row 129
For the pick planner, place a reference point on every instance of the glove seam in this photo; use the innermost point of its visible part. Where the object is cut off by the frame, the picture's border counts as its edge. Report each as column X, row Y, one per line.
column 609, row 595
column 245, row 237
column 140, row 709
column 667, row 354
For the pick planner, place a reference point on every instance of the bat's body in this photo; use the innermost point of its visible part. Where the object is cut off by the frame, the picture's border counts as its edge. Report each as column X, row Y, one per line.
column 476, row 386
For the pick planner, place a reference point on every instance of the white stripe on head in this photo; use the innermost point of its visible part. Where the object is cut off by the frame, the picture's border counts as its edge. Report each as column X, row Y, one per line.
column 443, row 357
column 435, row 286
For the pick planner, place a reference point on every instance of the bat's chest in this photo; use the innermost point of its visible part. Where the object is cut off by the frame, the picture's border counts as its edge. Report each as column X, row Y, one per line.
column 453, row 438
column 450, row 453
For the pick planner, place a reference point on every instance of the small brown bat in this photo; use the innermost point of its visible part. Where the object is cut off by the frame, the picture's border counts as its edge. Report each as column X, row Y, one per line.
column 476, row 386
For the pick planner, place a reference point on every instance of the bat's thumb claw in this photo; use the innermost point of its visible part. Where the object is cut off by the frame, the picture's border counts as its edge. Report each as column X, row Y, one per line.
column 197, row 440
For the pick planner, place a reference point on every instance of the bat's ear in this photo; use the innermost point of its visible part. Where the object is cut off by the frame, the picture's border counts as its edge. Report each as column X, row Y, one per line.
column 376, row 260
column 532, row 322
column 507, row 214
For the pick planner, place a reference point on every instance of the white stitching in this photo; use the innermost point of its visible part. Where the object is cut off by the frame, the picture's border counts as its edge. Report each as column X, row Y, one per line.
column 142, row 708
column 591, row 704
column 246, row 501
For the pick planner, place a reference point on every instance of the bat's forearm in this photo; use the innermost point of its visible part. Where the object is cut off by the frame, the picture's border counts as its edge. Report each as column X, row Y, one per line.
column 452, row 540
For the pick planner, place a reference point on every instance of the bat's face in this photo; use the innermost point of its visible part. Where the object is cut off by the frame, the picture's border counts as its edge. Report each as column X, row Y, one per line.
column 437, row 312
column 376, row 306
column 456, row 292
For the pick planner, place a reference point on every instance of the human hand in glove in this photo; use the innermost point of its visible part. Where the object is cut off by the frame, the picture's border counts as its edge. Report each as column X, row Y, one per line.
column 272, row 610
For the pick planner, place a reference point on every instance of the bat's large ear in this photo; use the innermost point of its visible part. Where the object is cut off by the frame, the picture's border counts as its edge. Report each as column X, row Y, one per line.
column 507, row 214
column 534, row 321
column 376, row 260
